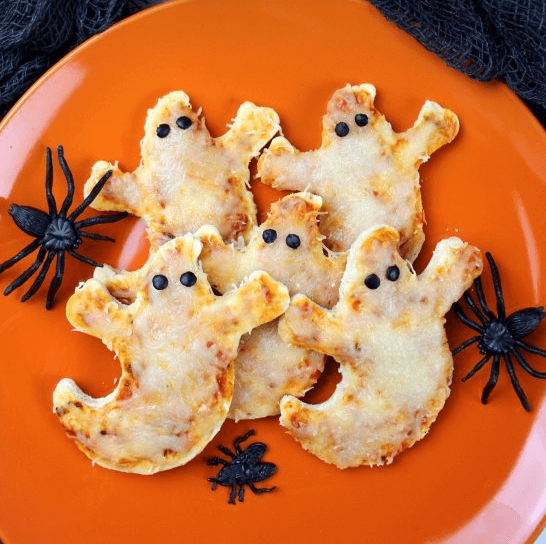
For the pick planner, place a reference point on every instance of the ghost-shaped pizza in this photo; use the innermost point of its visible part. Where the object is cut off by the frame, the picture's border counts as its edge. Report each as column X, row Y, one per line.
column 176, row 342
column 366, row 173
column 288, row 245
column 186, row 177
column 387, row 333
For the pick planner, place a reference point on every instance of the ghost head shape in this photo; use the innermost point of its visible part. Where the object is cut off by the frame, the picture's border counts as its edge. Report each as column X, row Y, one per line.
column 288, row 245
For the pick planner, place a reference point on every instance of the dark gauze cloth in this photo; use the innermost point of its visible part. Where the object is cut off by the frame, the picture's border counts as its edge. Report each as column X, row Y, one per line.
column 485, row 39
column 34, row 34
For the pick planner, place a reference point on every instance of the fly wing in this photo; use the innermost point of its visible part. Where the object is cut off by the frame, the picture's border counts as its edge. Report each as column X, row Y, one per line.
column 252, row 454
column 262, row 471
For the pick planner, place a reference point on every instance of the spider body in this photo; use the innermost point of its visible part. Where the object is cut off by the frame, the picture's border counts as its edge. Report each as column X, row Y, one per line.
column 61, row 235
column 56, row 232
column 500, row 336
column 244, row 468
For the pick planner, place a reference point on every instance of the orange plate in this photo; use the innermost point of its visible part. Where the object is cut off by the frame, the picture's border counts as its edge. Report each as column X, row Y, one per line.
column 480, row 474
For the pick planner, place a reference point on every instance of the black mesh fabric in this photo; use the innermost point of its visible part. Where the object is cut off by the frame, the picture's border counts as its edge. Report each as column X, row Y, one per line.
column 485, row 39
column 34, row 34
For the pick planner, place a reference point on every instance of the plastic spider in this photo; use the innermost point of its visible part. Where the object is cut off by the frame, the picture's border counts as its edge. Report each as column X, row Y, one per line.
column 500, row 336
column 55, row 232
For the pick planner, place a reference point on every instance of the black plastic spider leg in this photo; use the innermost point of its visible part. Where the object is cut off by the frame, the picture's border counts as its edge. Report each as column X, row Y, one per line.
column 94, row 236
column 56, row 281
column 472, row 305
column 481, row 298
column 52, row 205
column 232, row 494
column 242, row 492
column 112, row 218
column 478, row 366
column 501, row 311
column 465, row 344
column 214, row 483
column 526, row 366
column 227, row 451
column 258, row 490
column 21, row 255
column 27, row 273
column 465, row 319
column 217, row 461
column 69, row 182
column 83, row 259
column 40, row 278
column 529, row 348
column 91, row 196
column 237, row 443
column 515, row 382
column 490, row 385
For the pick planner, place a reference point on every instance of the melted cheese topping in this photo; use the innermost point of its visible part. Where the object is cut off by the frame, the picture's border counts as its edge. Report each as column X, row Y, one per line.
column 390, row 342
column 267, row 368
column 307, row 269
column 187, row 178
column 176, row 347
column 367, row 177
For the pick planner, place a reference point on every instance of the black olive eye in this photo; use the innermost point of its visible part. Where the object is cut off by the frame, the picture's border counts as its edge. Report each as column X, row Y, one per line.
column 188, row 279
column 293, row 241
column 361, row 119
column 342, row 129
column 184, row 122
column 393, row 273
column 163, row 130
column 372, row 281
column 160, row 282
column 269, row 236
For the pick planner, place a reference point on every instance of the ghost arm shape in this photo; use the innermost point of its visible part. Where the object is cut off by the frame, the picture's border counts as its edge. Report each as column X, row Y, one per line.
column 252, row 128
column 93, row 310
column 310, row 326
column 222, row 262
column 435, row 126
column 258, row 300
column 284, row 167
column 122, row 192
column 450, row 271
column 96, row 312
